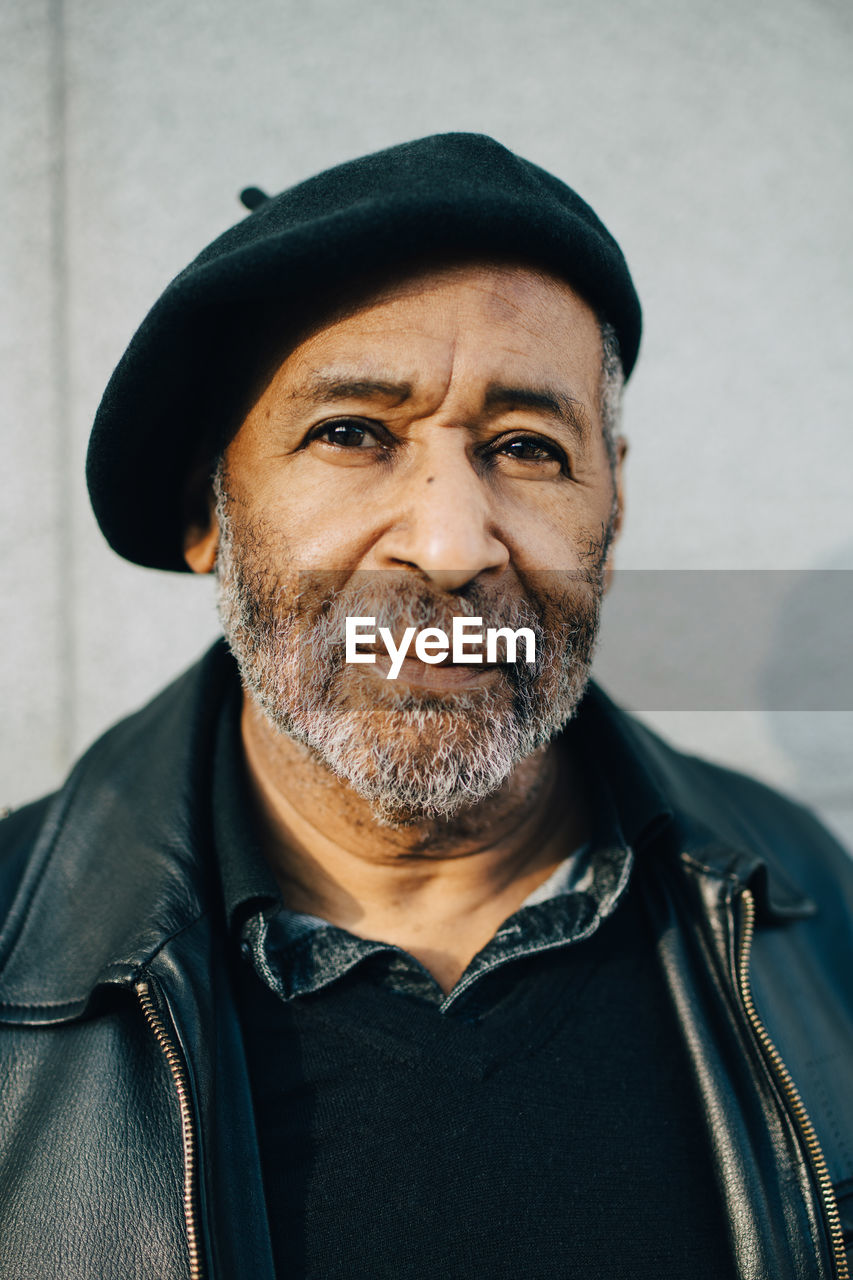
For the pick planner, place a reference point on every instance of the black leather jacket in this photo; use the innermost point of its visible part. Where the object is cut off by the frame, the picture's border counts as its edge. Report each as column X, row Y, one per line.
column 127, row 1143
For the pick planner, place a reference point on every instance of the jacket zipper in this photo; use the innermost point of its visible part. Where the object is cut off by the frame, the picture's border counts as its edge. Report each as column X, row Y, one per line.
column 179, row 1076
column 790, row 1091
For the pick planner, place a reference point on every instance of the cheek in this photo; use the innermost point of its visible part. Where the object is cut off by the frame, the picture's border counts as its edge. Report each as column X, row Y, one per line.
column 319, row 530
column 562, row 531
column 318, row 514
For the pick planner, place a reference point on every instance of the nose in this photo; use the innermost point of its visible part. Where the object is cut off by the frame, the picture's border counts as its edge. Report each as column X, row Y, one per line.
column 446, row 526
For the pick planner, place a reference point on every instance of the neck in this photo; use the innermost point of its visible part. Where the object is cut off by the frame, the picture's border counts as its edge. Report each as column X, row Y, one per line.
column 438, row 888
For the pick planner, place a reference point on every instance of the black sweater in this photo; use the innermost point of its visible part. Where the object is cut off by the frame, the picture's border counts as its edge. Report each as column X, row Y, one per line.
column 551, row 1133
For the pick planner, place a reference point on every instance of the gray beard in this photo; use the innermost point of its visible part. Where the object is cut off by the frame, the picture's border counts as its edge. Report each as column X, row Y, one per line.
column 412, row 755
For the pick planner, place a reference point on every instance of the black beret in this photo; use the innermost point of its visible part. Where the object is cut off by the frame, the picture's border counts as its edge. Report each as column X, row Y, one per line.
column 190, row 371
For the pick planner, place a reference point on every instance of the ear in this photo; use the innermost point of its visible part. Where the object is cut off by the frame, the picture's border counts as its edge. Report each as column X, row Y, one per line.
column 619, row 513
column 200, row 545
column 201, row 528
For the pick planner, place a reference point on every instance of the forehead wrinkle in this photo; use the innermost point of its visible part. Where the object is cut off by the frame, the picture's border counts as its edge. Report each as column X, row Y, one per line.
column 368, row 381
column 331, row 386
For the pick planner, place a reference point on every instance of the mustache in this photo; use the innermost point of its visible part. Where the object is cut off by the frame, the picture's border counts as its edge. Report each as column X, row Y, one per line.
column 563, row 624
column 402, row 603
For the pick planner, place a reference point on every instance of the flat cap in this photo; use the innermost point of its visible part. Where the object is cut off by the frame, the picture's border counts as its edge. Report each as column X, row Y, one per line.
column 190, row 371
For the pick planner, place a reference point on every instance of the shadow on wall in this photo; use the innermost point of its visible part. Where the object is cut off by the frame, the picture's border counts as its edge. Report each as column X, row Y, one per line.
column 729, row 640
column 776, row 643
column 812, row 646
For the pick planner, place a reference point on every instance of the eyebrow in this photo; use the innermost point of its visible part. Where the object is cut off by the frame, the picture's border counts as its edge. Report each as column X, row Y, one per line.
column 327, row 388
column 556, row 404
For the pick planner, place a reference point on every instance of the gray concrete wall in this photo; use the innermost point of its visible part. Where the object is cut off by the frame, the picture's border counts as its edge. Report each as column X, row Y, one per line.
column 714, row 140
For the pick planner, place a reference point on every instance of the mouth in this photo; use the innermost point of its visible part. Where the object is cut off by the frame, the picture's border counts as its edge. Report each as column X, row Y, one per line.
column 446, row 674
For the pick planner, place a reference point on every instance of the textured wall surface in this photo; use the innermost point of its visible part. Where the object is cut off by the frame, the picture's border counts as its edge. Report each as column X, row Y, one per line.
column 713, row 140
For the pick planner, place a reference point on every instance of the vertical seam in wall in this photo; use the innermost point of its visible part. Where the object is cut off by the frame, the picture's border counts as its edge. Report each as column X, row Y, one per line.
column 66, row 655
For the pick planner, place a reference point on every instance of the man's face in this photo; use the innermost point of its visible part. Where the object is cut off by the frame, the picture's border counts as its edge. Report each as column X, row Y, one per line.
column 436, row 452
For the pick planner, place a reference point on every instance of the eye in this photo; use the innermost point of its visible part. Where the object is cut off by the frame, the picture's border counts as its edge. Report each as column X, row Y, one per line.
column 533, row 451
column 347, row 433
column 528, row 450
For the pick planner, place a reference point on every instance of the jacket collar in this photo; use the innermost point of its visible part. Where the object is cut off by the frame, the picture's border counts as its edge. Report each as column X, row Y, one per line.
column 720, row 820
column 124, row 861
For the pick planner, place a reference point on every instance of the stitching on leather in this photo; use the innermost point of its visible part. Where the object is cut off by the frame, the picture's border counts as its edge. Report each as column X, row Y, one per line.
column 725, row 877
column 833, row 1118
column 35, row 1006
column 171, row 938
column 135, row 971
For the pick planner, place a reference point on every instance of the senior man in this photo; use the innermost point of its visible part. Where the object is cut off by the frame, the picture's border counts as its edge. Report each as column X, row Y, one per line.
column 407, row 961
